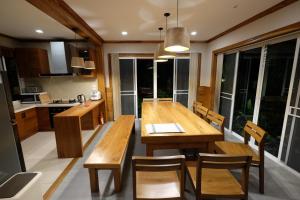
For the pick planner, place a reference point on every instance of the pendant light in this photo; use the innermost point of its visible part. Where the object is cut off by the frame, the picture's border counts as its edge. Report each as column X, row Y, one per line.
column 157, row 52
column 161, row 47
column 177, row 39
column 76, row 61
column 89, row 64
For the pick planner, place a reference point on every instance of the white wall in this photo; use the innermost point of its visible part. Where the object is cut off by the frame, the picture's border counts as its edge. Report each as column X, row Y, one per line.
column 142, row 48
column 281, row 18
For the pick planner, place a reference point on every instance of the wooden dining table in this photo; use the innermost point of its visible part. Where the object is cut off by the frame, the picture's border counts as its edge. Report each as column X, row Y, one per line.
column 198, row 133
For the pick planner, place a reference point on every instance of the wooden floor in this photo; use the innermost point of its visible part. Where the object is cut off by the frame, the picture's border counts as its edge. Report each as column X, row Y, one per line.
column 280, row 183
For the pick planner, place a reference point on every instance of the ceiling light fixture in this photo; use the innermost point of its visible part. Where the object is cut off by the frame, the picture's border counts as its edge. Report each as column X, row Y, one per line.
column 193, row 33
column 177, row 39
column 124, row 33
column 89, row 64
column 39, row 31
column 162, row 53
column 157, row 52
column 76, row 61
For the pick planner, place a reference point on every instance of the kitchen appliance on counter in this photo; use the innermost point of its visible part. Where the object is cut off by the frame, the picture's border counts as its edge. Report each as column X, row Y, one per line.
column 96, row 95
column 63, row 101
column 31, row 98
column 81, row 98
column 32, row 89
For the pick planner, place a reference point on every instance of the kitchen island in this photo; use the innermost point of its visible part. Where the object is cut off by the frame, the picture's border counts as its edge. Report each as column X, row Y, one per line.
column 69, row 124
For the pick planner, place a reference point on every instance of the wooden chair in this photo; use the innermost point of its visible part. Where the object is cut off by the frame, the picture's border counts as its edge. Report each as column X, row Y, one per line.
column 158, row 177
column 165, row 99
column 149, row 99
column 233, row 148
column 202, row 111
column 211, row 176
column 195, row 105
column 217, row 119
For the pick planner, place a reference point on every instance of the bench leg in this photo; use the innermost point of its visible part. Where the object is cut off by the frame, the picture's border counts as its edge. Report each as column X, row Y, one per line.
column 149, row 150
column 117, row 179
column 94, row 180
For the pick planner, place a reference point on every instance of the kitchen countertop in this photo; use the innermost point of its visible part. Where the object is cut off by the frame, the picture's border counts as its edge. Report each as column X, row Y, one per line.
column 23, row 107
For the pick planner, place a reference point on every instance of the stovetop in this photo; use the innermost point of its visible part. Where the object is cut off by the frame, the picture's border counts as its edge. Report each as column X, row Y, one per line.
column 63, row 101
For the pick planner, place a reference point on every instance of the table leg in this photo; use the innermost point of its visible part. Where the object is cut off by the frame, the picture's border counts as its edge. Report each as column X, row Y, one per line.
column 94, row 180
column 117, row 179
column 149, row 150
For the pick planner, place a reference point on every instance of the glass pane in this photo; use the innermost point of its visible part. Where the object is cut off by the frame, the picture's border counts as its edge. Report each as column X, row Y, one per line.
column 127, row 74
column 165, row 72
column 183, row 99
column 293, row 125
column 246, row 85
column 278, row 67
column 183, row 68
column 144, row 81
column 294, row 155
column 228, row 73
column 127, row 104
column 224, row 109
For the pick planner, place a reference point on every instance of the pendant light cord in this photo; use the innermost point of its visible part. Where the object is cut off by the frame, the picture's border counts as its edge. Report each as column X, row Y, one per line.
column 177, row 13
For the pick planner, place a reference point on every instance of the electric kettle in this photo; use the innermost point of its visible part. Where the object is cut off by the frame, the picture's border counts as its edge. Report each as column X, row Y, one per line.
column 81, row 98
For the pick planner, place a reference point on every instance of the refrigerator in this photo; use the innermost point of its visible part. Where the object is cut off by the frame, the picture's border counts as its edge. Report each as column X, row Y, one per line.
column 11, row 155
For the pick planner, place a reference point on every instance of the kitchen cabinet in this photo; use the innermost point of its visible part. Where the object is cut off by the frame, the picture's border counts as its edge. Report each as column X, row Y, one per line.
column 32, row 62
column 43, row 119
column 27, row 123
column 88, row 54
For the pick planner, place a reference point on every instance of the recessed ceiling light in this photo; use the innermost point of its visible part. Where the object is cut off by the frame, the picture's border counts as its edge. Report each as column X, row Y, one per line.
column 124, row 33
column 40, row 31
column 193, row 33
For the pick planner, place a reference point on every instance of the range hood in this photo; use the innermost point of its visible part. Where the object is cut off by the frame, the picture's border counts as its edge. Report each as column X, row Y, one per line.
column 60, row 64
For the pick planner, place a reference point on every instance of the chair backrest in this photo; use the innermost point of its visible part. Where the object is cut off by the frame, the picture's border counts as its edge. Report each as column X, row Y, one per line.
column 149, row 99
column 259, row 136
column 255, row 131
column 224, row 161
column 165, row 99
column 202, row 111
column 217, row 119
column 156, row 164
column 195, row 105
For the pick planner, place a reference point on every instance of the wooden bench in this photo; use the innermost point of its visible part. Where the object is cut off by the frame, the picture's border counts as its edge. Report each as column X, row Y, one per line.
column 110, row 152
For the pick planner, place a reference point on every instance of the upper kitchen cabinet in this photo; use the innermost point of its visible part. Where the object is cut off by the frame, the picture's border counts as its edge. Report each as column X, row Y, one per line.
column 32, row 62
column 88, row 54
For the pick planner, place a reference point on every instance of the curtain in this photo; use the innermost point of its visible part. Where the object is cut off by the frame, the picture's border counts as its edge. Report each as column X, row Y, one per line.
column 115, row 68
column 193, row 79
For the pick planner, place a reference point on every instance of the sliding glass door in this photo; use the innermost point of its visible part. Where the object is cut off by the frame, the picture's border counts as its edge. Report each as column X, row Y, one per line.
column 227, row 85
column 164, row 78
column 144, row 81
column 181, row 82
column 128, row 86
column 275, row 86
column 246, row 86
column 262, row 85
column 290, row 152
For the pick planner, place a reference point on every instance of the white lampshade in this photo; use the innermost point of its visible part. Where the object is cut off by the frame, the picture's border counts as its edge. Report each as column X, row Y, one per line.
column 89, row 64
column 77, row 62
column 164, row 54
column 177, row 40
column 157, row 59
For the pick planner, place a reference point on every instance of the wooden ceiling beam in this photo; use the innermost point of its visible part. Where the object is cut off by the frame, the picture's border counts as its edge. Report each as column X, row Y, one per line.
column 64, row 14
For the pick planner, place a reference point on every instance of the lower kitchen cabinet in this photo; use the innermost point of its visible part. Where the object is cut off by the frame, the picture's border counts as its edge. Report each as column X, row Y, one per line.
column 43, row 119
column 27, row 123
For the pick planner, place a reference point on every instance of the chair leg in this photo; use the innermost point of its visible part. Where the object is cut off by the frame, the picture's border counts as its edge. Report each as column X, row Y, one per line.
column 261, row 179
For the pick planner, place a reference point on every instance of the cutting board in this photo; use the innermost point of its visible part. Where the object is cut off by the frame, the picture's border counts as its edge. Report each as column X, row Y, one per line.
column 44, row 98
